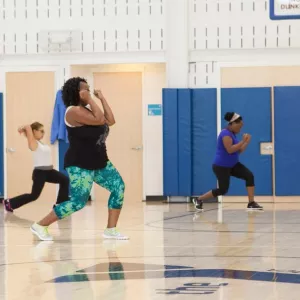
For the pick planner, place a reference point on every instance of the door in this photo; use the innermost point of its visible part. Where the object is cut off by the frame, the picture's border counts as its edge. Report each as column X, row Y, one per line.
column 1, row 149
column 29, row 97
column 123, row 92
column 254, row 105
column 287, row 143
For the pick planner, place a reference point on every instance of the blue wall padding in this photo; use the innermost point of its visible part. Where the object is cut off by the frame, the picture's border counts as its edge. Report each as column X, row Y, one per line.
column 287, row 141
column 189, row 141
column 184, row 142
column 1, row 148
column 254, row 104
column 170, row 142
column 204, row 136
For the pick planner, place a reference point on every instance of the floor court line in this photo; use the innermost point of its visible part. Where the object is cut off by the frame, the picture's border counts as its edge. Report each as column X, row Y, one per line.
column 142, row 257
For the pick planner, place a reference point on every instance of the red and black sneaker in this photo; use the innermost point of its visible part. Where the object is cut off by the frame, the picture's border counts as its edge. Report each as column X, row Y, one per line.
column 7, row 206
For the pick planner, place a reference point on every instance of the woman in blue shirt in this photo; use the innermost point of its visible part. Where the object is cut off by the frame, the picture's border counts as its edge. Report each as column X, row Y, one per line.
column 226, row 162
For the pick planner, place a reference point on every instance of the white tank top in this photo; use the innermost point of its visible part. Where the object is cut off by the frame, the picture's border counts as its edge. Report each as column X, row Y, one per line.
column 69, row 125
column 66, row 122
column 42, row 156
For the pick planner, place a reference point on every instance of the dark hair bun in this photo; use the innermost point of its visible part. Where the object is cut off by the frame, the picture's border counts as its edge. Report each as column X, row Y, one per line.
column 228, row 116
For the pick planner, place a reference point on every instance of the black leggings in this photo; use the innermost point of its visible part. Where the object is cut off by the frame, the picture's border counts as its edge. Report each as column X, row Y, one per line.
column 223, row 175
column 40, row 177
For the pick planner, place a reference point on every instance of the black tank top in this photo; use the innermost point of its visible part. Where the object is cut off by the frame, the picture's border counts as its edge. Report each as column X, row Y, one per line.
column 87, row 148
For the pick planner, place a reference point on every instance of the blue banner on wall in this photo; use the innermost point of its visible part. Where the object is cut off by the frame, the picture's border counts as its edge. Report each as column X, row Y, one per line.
column 284, row 9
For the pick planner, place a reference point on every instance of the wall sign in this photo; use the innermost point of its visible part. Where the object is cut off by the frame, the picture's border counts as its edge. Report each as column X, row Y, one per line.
column 154, row 109
column 284, row 9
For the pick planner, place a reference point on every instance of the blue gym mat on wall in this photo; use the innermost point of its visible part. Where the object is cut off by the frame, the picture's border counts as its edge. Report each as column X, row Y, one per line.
column 170, row 142
column 254, row 104
column 189, row 135
column 184, row 142
column 287, row 142
column 177, row 142
column 1, row 148
column 204, row 139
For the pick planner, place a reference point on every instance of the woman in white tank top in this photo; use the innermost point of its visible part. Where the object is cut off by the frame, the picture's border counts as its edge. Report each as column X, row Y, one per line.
column 43, row 169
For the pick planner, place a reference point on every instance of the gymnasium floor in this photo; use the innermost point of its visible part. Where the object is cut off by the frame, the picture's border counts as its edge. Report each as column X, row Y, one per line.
column 223, row 253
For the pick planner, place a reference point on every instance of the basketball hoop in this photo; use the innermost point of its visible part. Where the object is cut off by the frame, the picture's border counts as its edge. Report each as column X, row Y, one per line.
column 60, row 41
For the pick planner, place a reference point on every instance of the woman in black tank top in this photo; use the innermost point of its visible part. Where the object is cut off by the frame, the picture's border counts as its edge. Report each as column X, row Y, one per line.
column 86, row 160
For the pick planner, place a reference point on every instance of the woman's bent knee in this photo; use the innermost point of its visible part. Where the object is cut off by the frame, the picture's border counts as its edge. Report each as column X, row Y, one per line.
column 69, row 207
column 250, row 180
column 219, row 192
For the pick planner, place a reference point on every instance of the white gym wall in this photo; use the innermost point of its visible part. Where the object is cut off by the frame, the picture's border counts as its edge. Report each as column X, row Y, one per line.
column 193, row 38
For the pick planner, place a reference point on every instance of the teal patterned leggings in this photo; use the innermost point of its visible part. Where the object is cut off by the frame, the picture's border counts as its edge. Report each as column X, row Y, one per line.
column 81, row 182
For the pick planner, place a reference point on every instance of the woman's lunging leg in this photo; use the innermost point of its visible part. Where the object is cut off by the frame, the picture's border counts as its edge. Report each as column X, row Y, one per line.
column 110, row 179
column 81, row 182
column 55, row 176
column 242, row 172
column 38, row 183
column 223, row 177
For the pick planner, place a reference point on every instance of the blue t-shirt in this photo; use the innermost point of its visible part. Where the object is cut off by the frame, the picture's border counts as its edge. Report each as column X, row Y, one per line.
column 223, row 158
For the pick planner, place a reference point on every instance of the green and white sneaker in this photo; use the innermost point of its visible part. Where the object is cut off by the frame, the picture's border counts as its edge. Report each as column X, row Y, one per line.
column 41, row 232
column 114, row 234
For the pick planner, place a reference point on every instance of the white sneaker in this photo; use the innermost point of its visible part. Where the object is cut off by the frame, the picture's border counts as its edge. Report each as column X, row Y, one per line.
column 113, row 233
column 41, row 232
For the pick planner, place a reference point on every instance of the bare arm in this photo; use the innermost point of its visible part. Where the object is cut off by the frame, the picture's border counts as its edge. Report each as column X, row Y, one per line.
column 80, row 115
column 230, row 148
column 108, row 114
column 32, row 143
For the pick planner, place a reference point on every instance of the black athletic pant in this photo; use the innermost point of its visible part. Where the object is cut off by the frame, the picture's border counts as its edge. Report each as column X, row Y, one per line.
column 40, row 177
column 223, row 175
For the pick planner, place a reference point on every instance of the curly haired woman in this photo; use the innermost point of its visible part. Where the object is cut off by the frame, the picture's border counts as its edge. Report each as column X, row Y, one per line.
column 86, row 160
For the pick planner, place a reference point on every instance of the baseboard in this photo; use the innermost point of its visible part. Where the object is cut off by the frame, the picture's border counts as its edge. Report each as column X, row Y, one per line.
column 156, row 198
column 165, row 199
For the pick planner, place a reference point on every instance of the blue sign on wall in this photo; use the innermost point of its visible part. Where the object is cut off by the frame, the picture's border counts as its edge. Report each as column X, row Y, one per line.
column 154, row 109
column 284, row 9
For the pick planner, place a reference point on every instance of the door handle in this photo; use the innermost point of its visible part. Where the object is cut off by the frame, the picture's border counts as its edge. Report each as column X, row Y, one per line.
column 138, row 148
column 10, row 150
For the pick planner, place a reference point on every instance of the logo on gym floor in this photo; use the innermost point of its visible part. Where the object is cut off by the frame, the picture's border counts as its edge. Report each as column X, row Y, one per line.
column 193, row 289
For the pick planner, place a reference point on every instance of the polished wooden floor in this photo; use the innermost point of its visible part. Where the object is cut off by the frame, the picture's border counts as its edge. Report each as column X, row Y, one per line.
column 222, row 253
